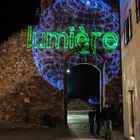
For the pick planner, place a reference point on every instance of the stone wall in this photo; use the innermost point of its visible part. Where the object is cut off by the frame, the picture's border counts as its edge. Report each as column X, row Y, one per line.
column 24, row 95
column 45, row 3
column 114, row 89
column 77, row 104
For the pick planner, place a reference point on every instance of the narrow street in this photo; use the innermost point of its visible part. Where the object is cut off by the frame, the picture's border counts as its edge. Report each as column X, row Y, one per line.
column 78, row 124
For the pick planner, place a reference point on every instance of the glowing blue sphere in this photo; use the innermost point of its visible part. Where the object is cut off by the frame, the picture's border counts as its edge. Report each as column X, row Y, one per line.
column 94, row 15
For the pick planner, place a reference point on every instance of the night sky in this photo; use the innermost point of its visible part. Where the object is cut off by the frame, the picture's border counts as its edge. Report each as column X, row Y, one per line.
column 83, row 82
column 15, row 15
column 18, row 14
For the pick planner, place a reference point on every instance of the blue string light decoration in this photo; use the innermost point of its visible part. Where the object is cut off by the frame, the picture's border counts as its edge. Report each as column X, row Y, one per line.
column 93, row 101
column 93, row 15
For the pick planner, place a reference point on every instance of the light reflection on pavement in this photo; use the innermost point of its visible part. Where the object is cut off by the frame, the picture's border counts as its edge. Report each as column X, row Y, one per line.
column 79, row 125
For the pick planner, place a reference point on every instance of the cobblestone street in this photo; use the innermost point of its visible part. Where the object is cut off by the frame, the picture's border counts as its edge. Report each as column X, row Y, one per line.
column 78, row 130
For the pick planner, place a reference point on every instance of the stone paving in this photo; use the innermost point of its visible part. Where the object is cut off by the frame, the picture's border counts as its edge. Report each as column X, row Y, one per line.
column 58, row 133
column 79, row 126
column 78, row 129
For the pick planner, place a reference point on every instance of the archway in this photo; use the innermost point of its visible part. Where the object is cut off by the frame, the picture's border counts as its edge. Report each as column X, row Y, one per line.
column 99, row 66
column 84, row 82
column 83, row 89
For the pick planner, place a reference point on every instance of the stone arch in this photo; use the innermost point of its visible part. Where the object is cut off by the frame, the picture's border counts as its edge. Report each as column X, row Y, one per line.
column 102, row 79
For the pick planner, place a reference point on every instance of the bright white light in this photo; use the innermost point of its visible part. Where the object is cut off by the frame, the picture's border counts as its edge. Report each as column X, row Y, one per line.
column 132, row 138
column 68, row 70
column 88, row 3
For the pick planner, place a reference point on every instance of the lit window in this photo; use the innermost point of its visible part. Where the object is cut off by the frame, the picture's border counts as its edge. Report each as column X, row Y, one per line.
column 138, row 11
column 128, row 29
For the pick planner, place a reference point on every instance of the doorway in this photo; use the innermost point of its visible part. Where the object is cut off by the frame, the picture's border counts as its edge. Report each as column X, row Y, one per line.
column 131, row 112
column 83, row 88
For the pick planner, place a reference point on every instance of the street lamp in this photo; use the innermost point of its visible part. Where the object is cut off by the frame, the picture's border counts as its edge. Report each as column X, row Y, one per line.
column 68, row 70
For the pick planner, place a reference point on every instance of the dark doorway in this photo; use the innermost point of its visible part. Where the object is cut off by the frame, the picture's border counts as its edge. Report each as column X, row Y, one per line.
column 131, row 101
column 83, row 88
column 84, row 83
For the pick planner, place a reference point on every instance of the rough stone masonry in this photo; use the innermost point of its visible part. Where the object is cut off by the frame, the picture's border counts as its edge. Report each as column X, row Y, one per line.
column 24, row 95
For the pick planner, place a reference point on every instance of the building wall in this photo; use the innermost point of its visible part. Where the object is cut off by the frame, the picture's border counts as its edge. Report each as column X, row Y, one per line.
column 25, row 96
column 131, row 74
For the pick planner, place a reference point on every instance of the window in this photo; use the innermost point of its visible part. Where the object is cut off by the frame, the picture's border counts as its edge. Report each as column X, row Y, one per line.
column 138, row 11
column 128, row 29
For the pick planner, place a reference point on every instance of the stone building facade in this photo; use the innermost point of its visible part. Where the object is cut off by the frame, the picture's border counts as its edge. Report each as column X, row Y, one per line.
column 130, row 19
column 24, row 95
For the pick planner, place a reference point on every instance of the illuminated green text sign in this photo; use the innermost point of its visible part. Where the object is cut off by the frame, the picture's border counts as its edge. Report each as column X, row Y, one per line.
column 87, row 43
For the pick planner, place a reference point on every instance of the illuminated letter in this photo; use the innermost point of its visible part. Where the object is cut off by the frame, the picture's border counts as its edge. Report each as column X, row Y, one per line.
column 52, row 35
column 44, row 41
column 65, row 36
column 82, row 41
column 58, row 37
column 71, row 45
column 93, row 41
column 34, row 42
column 110, row 41
column 29, row 38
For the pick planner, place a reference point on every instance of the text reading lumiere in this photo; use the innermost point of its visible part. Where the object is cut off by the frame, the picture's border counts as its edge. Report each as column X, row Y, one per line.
column 87, row 44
